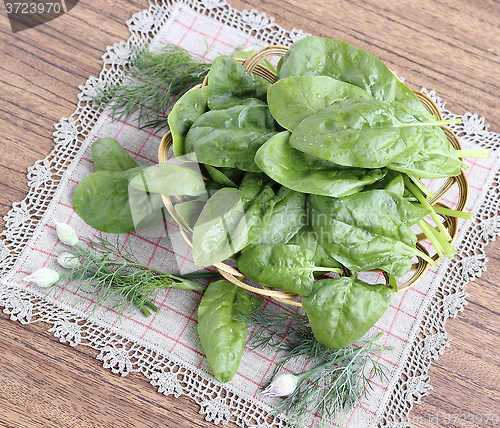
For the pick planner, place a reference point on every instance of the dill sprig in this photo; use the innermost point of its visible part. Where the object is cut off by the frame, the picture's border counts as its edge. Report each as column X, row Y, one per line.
column 150, row 79
column 108, row 271
column 341, row 378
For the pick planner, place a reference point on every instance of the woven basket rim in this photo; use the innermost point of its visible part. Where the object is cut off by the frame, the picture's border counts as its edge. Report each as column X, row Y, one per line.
column 419, row 269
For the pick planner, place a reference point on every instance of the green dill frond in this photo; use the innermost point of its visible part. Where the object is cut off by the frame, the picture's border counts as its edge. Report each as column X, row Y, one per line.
column 150, row 81
column 113, row 276
column 341, row 378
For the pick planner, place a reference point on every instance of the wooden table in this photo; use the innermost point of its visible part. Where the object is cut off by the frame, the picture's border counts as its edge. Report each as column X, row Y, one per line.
column 451, row 46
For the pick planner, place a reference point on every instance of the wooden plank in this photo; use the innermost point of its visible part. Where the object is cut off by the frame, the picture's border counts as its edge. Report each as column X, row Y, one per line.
column 450, row 46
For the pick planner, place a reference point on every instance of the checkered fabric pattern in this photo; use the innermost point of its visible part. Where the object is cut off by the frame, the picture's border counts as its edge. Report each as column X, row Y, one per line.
column 174, row 328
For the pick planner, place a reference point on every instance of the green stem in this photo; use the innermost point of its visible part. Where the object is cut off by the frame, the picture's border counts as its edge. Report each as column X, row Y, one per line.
column 326, row 269
column 186, row 284
column 393, row 282
column 427, row 229
column 79, row 276
column 136, row 299
column 82, row 248
column 437, row 123
column 139, row 300
column 91, row 257
column 99, row 272
column 477, row 153
column 151, row 268
column 449, row 212
column 442, row 247
column 151, row 305
column 183, row 276
column 413, row 189
column 196, row 275
column 421, row 186
column 424, row 256
column 316, row 369
column 144, row 310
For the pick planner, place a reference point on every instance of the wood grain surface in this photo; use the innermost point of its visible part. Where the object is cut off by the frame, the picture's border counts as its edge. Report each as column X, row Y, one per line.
column 451, row 46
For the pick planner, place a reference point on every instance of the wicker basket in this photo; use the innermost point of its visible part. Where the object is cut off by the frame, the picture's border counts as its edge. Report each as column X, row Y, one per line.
column 418, row 269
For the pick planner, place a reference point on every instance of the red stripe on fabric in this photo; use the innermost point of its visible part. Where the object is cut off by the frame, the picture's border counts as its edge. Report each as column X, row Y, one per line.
column 124, row 122
column 213, row 41
column 200, row 33
column 190, row 28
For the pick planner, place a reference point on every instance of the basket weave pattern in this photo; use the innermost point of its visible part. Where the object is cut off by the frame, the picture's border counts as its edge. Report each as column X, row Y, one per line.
column 418, row 269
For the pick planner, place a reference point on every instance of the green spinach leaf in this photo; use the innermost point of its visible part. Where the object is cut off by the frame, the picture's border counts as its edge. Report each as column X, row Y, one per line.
column 326, row 57
column 219, row 177
column 289, row 267
column 309, row 239
column 251, row 185
column 258, row 212
column 185, row 111
column 169, row 179
column 229, row 222
column 308, row 174
column 231, row 137
column 436, row 157
column 103, row 201
column 288, row 216
column 108, row 155
column 392, row 182
column 222, row 336
column 361, row 133
column 367, row 230
column 219, row 231
column 230, row 83
column 293, row 99
column 342, row 310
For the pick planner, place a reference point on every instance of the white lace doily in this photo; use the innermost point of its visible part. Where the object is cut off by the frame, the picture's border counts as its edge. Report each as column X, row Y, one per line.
column 415, row 323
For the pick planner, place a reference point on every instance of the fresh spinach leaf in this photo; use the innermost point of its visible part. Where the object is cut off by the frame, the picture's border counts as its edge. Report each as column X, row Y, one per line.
column 230, row 83
column 308, row 174
column 289, row 267
column 169, row 179
column 108, row 155
column 219, row 231
column 327, row 57
column 222, row 336
column 235, row 175
column 435, row 158
column 309, row 239
column 231, row 137
column 228, row 222
column 103, row 201
column 288, row 216
column 293, row 99
column 392, row 182
column 367, row 230
column 258, row 212
column 361, row 133
column 185, row 111
column 342, row 310
column 251, row 185
column 219, row 177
